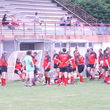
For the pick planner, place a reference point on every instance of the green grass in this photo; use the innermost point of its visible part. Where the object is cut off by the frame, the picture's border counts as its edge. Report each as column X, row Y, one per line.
column 93, row 95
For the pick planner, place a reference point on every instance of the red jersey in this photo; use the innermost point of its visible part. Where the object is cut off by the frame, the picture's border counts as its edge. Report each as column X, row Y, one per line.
column 105, row 59
column 63, row 57
column 92, row 58
column 73, row 63
column 46, row 61
column 34, row 60
column 3, row 62
column 55, row 59
column 80, row 60
column 18, row 66
column 108, row 58
column 100, row 57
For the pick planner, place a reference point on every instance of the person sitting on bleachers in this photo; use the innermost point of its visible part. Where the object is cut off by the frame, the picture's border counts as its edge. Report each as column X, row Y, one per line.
column 62, row 23
column 14, row 21
column 77, row 22
column 5, row 22
column 68, row 23
column 37, row 19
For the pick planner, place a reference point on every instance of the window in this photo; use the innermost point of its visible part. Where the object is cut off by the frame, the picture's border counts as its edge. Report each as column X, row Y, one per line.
column 63, row 45
column 90, row 44
column 57, row 44
column 81, row 44
column 73, row 44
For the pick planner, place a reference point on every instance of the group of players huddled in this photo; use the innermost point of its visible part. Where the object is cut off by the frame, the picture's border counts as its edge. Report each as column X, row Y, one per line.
column 66, row 67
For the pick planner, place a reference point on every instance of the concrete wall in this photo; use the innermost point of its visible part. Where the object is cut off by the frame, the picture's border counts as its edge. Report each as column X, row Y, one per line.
column 9, row 46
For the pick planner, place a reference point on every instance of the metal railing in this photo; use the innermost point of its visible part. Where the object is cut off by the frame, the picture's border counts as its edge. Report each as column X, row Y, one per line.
column 52, row 31
column 76, row 11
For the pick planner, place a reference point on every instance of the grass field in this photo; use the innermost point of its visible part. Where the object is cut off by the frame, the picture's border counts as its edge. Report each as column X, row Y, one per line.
column 93, row 95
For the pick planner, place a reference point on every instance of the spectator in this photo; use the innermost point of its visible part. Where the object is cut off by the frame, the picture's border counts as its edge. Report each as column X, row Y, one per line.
column 65, row 18
column 62, row 23
column 37, row 19
column 77, row 22
column 14, row 21
column 68, row 23
column 5, row 22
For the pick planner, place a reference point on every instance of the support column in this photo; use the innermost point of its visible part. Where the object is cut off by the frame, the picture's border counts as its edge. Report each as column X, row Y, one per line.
column 1, row 47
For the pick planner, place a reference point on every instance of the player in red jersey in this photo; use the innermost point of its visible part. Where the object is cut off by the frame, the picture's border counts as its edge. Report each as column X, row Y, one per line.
column 35, row 67
column 46, row 66
column 19, row 68
column 72, row 68
column 108, row 52
column 56, row 66
column 3, row 66
column 92, row 60
column 63, row 65
column 105, row 66
column 80, row 63
column 100, row 62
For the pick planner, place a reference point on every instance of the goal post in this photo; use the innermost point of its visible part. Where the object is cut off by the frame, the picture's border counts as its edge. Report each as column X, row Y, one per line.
column 21, row 54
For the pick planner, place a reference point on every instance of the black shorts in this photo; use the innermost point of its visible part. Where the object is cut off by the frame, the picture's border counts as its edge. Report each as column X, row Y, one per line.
column 63, row 69
column 105, row 68
column 69, row 69
column 73, row 69
column 56, row 65
column 80, row 68
column 90, row 65
column 35, row 69
column 0, row 70
column 17, row 71
column 3, row 68
column 47, row 70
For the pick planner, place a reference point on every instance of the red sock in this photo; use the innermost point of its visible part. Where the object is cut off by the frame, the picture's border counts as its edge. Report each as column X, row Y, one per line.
column 106, row 79
column 81, row 79
column 59, row 81
column 100, row 76
column 21, row 76
column 72, row 79
column 65, row 81
column 45, row 80
column 3, row 81
column 33, row 83
column 48, row 79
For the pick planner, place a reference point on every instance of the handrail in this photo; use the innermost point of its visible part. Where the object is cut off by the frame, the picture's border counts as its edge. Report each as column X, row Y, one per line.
column 76, row 11
column 54, row 30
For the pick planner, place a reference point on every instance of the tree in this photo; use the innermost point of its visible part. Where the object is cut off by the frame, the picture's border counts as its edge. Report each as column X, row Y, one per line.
column 100, row 9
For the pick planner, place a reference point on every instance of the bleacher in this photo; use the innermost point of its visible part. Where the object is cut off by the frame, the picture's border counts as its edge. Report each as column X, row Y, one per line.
column 48, row 12
column 25, row 9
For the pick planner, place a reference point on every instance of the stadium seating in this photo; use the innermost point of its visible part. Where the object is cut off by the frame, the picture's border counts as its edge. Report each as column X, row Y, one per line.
column 25, row 9
column 48, row 12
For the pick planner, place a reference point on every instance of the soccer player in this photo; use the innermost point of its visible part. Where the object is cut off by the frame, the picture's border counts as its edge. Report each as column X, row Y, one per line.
column 100, row 62
column 56, row 66
column 105, row 66
column 63, row 65
column 80, row 63
column 19, row 68
column 3, row 65
column 46, row 66
column 86, row 62
column 92, row 60
column 29, row 68
column 35, row 67
column 72, row 68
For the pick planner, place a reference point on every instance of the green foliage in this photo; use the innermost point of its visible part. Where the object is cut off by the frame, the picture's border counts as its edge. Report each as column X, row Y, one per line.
column 100, row 9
